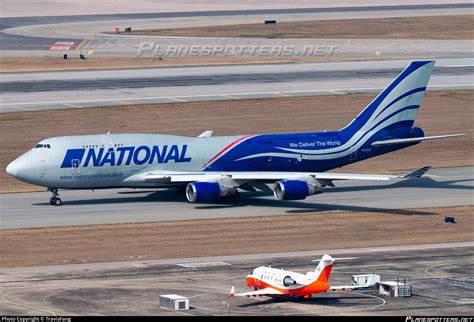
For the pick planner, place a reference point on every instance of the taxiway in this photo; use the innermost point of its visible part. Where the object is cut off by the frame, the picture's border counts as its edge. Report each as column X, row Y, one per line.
column 79, row 89
column 441, row 188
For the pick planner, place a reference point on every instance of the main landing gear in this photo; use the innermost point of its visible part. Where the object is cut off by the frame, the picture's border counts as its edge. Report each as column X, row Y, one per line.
column 55, row 200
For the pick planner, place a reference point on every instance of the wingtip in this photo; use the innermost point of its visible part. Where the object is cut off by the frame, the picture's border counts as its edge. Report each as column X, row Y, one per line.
column 232, row 292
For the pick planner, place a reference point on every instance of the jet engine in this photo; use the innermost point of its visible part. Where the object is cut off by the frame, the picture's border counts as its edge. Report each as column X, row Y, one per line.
column 287, row 281
column 295, row 189
column 207, row 191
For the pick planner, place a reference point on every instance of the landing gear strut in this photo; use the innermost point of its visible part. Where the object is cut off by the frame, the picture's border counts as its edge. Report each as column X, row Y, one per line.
column 55, row 200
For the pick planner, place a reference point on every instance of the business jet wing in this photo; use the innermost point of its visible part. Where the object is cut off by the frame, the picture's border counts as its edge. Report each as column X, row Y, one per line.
column 263, row 292
column 236, row 179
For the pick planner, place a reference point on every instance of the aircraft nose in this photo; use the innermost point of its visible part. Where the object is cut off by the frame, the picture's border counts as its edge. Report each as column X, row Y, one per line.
column 12, row 169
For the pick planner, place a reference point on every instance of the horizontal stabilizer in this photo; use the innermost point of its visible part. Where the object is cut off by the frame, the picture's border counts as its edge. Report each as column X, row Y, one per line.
column 413, row 140
column 338, row 259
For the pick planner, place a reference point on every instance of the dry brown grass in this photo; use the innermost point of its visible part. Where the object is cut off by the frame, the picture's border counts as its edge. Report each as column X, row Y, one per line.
column 441, row 113
column 434, row 27
column 34, row 64
column 231, row 236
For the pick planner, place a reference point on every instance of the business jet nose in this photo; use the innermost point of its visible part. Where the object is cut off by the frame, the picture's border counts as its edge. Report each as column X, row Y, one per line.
column 12, row 169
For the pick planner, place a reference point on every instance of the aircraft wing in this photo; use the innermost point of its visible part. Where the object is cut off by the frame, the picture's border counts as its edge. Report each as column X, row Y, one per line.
column 235, row 179
column 263, row 292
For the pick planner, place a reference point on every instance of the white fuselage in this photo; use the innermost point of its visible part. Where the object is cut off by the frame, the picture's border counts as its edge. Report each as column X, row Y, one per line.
column 111, row 160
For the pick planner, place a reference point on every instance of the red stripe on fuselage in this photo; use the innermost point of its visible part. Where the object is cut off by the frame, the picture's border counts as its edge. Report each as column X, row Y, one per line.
column 225, row 149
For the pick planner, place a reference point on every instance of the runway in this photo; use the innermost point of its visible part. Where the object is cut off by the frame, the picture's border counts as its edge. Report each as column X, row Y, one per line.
column 79, row 89
column 100, row 83
column 440, row 275
column 443, row 187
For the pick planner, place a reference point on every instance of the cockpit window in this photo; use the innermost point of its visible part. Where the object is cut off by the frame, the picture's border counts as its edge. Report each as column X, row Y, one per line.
column 42, row 146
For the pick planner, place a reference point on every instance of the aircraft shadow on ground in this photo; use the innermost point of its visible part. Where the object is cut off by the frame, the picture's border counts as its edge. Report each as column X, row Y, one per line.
column 423, row 182
column 252, row 199
column 255, row 199
column 315, row 300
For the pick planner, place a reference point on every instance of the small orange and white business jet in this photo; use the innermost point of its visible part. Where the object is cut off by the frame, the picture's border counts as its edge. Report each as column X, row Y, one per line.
column 273, row 282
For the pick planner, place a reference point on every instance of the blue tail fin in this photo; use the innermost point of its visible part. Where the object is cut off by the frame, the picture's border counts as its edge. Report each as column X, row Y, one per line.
column 397, row 105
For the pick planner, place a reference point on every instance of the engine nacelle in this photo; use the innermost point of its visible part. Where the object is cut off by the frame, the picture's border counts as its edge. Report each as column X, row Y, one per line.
column 287, row 281
column 207, row 191
column 295, row 189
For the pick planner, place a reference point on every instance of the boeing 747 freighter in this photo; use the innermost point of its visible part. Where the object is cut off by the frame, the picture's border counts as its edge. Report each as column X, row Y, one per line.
column 208, row 168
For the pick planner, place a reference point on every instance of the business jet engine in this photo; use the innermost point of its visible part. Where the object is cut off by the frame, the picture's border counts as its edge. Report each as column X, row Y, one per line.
column 287, row 281
column 295, row 189
column 207, row 191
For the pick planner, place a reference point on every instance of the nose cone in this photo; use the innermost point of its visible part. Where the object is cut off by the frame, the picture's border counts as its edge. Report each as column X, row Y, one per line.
column 28, row 168
column 12, row 169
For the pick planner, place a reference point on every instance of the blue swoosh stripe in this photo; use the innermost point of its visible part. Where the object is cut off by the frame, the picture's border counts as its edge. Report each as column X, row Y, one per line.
column 410, row 107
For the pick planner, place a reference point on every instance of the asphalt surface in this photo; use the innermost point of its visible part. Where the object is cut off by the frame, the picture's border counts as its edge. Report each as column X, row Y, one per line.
column 28, row 21
column 78, row 89
column 19, row 42
column 443, row 187
column 28, row 86
column 33, row 36
column 440, row 276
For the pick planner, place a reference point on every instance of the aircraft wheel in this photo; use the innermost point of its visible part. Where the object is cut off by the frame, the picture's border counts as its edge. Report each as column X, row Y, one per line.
column 57, row 201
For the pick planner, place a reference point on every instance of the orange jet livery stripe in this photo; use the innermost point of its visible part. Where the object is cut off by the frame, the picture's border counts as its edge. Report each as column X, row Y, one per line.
column 313, row 288
column 268, row 281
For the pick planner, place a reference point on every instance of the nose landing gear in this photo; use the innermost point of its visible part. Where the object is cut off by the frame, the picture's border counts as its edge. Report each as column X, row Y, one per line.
column 55, row 200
